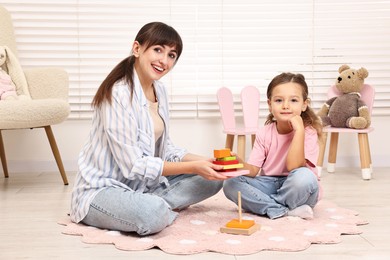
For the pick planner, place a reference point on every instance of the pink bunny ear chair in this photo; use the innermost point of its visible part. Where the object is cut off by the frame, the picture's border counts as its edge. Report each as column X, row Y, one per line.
column 250, row 99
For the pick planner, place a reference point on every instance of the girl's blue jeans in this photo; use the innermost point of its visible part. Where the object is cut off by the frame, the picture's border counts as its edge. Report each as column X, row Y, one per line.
column 125, row 210
column 274, row 196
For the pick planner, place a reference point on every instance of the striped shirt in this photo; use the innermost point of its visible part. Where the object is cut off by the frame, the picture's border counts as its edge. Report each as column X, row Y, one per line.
column 121, row 147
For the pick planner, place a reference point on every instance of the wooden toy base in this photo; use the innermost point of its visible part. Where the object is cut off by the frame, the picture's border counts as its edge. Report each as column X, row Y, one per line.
column 241, row 231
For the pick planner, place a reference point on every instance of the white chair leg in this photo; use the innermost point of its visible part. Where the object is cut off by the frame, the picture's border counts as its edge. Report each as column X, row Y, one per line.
column 366, row 174
column 319, row 170
column 331, row 167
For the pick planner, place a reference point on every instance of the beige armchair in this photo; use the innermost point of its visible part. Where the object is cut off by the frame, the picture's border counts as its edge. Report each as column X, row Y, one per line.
column 45, row 101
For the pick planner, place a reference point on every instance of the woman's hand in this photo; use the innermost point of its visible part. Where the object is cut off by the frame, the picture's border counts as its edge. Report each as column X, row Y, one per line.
column 202, row 167
column 208, row 170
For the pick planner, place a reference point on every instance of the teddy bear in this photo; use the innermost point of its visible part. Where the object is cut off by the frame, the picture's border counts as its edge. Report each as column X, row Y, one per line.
column 347, row 110
column 7, row 87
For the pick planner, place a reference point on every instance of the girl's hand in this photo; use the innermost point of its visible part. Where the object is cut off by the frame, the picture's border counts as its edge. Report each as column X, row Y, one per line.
column 208, row 170
column 296, row 123
column 240, row 160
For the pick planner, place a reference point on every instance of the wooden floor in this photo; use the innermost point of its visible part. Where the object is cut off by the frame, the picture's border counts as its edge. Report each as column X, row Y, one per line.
column 31, row 204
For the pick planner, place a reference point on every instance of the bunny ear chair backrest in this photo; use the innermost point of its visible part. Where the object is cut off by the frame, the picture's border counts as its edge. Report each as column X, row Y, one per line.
column 226, row 108
column 250, row 97
column 368, row 96
column 45, row 104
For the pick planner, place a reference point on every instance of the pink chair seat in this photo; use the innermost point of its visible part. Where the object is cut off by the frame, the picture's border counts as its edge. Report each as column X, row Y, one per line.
column 329, row 129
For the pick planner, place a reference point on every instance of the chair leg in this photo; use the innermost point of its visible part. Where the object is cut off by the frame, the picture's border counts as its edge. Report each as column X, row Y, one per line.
column 241, row 146
column 56, row 153
column 2, row 155
column 334, row 140
column 322, row 147
column 229, row 142
column 253, row 139
column 369, row 154
column 364, row 150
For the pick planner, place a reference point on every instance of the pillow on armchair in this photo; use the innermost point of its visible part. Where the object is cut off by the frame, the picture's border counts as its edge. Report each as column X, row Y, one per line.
column 10, row 65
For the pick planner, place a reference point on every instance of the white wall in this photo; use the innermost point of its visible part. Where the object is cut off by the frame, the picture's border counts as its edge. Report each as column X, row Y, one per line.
column 29, row 150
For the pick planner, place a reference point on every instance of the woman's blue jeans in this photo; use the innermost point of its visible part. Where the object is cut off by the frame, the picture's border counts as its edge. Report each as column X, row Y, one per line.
column 274, row 196
column 125, row 210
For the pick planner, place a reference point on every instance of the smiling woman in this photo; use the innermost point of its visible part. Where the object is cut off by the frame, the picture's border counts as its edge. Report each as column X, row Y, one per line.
column 129, row 169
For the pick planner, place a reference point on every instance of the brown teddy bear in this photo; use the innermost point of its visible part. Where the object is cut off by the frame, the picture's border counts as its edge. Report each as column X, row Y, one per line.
column 347, row 110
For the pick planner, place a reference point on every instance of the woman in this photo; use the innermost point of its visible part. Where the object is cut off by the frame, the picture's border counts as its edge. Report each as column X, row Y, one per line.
column 131, row 177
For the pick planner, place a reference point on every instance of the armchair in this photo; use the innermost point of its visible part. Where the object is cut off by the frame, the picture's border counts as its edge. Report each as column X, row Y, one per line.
column 47, row 97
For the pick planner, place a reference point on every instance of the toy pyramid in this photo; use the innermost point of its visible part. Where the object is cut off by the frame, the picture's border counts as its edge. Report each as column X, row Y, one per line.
column 223, row 157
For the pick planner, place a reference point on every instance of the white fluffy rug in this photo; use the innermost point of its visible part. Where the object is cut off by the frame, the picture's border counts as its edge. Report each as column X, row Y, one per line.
column 196, row 230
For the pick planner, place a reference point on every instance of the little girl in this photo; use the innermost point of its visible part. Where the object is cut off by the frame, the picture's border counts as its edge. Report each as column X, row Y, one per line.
column 283, row 179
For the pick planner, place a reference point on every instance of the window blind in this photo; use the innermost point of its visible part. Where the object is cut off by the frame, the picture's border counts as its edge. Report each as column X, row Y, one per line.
column 226, row 43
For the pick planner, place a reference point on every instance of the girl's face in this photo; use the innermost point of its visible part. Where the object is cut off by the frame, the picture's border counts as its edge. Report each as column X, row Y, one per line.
column 286, row 101
column 155, row 62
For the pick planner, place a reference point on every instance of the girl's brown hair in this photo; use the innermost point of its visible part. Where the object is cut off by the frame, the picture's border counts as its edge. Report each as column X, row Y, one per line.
column 155, row 33
column 309, row 117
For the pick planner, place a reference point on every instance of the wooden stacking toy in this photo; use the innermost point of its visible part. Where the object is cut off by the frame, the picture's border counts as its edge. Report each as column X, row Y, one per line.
column 240, row 226
column 224, row 157
column 231, row 165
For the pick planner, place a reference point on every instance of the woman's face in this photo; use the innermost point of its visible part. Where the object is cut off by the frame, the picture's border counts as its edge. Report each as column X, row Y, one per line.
column 154, row 62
